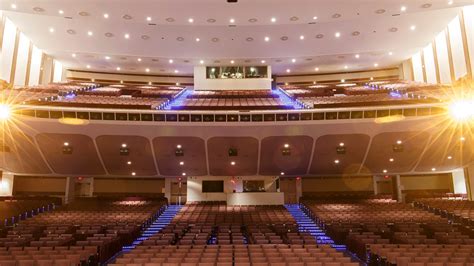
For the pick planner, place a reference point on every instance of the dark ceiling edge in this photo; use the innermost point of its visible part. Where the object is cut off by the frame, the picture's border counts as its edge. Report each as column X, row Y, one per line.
column 128, row 74
column 336, row 73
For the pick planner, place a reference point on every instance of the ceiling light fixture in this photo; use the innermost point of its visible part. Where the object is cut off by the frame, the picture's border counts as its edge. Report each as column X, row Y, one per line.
column 181, row 163
column 232, row 20
column 343, row 80
column 129, row 162
column 403, row 8
column 183, row 174
column 139, row 59
column 13, row 6
column 118, row 68
column 316, row 69
column 336, row 161
column 288, row 71
column 107, row 57
column 273, row 20
column 341, row 144
column 450, row 2
column 293, row 60
column 197, row 39
column 190, row 20
column 413, row 27
column 73, row 55
column 148, row 18
column 337, row 34
column 315, row 18
column 301, row 37
column 263, row 61
column 176, row 71
column 357, row 56
column 106, row 15
column 399, row 142
column 346, row 67
column 232, row 61
column 376, row 64
column 147, row 70
column 201, row 62
column 267, row 39
column 450, row 157
column 60, row 11
column 391, row 160
column 51, row 30
column 390, row 53
column 462, row 139
column 90, row 33
column 88, row 66
column 170, row 61
column 384, row 171
column 134, row 174
column 282, row 173
column 232, row 163
column 433, row 169
column 126, row 36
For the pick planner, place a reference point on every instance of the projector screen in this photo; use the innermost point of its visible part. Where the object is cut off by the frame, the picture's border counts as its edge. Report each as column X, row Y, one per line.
column 213, row 186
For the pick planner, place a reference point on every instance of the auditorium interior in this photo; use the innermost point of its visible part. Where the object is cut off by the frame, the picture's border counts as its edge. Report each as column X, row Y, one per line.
column 236, row 133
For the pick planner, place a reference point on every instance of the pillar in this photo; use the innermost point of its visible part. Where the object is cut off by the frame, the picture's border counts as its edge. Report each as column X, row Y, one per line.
column 299, row 188
column 6, row 184
column 374, row 181
column 168, row 188
column 397, row 188
column 459, row 181
column 70, row 190
column 469, row 179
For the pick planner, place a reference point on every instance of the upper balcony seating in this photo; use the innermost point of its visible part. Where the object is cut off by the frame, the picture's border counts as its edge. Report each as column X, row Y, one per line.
column 98, row 101
column 460, row 211
column 361, row 100
column 308, row 91
column 85, row 228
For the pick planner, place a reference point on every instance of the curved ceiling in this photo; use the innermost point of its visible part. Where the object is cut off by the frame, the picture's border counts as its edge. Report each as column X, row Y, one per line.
column 144, row 34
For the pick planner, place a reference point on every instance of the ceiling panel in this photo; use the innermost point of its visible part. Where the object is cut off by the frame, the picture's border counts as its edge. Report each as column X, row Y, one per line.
column 245, row 161
column 382, row 151
column 273, row 162
column 139, row 160
column 193, row 158
column 447, row 150
column 326, row 154
column 20, row 155
column 82, row 161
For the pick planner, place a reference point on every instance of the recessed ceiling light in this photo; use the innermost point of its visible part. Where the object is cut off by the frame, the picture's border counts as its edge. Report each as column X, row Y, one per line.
column 273, row 20
column 288, row 70
column 124, row 145
column 346, row 67
column 390, row 53
column 107, row 57
column 90, row 33
column 183, row 174
column 337, row 34
column 462, row 139
column 403, row 8
column 282, row 173
column 51, row 30
column 13, row 6
column 343, row 80
column 316, row 69
column 232, row 163
column 232, row 20
column 263, row 61
column 301, row 37
column 433, row 169
column 178, row 146
column 147, row 70
column 450, row 2
column 60, row 11
column 286, row 145
column 371, row 78
column 293, row 60
column 66, row 143
column 413, row 27
column 267, row 38
column 139, row 59
column 399, row 142
column 315, row 18
column 201, row 62
column 118, row 68
column 148, row 18
column 190, row 20
column 176, row 71
column 336, row 161
column 197, row 39
column 106, row 15
column 391, row 160
column 232, row 61
column 384, row 171
column 376, row 64
column 126, row 36
column 170, row 61
column 129, row 162
column 73, row 55
column 88, row 66
column 181, row 163
column 357, row 56
column 450, row 157
column 341, row 144
column 133, row 173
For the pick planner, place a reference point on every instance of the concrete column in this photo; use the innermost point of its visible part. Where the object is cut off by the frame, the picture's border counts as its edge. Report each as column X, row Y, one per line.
column 299, row 188
column 459, row 182
column 374, row 181
column 469, row 178
column 397, row 188
column 70, row 190
column 168, row 188
column 6, row 184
